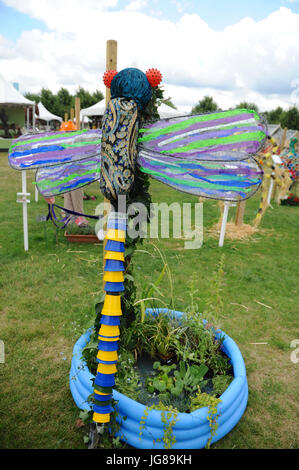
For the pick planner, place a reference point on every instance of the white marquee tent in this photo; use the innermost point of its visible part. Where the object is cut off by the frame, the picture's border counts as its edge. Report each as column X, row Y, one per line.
column 97, row 109
column 45, row 115
column 10, row 96
column 166, row 112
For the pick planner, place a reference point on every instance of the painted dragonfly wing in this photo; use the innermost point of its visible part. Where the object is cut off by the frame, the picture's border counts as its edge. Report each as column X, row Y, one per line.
column 223, row 135
column 59, row 179
column 53, row 148
column 234, row 180
column 206, row 155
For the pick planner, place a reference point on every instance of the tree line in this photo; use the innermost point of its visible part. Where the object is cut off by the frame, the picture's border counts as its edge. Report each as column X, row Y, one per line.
column 61, row 102
column 286, row 118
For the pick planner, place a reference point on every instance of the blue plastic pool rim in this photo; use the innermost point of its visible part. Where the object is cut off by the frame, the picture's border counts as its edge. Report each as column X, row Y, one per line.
column 192, row 428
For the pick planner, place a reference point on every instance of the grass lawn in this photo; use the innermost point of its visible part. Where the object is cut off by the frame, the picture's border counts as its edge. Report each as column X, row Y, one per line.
column 47, row 297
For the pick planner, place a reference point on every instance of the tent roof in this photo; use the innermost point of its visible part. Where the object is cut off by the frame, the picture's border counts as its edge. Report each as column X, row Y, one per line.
column 9, row 95
column 97, row 109
column 276, row 131
column 166, row 111
column 45, row 115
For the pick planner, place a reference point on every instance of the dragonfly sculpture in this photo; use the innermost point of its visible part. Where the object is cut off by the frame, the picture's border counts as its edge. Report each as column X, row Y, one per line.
column 209, row 155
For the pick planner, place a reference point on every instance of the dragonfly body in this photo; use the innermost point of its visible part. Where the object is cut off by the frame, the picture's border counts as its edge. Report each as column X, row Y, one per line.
column 119, row 147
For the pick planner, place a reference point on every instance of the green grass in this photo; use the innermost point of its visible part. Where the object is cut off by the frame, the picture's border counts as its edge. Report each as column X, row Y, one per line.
column 47, row 297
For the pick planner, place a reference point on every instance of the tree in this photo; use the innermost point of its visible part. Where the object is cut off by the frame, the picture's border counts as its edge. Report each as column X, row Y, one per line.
column 61, row 102
column 290, row 119
column 245, row 105
column 275, row 116
column 48, row 99
column 206, row 105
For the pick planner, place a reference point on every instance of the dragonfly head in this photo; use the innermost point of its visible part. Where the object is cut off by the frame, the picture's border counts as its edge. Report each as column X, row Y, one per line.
column 132, row 83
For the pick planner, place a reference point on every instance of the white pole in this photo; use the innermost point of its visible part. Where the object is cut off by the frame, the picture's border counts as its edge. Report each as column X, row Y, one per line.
column 270, row 191
column 36, row 193
column 25, row 216
column 33, row 117
column 223, row 225
column 28, row 119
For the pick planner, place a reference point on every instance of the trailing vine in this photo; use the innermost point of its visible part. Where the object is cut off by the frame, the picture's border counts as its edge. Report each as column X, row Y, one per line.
column 169, row 417
column 201, row 400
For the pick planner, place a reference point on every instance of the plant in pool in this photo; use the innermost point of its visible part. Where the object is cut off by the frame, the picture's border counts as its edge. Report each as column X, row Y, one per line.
column 204, row 399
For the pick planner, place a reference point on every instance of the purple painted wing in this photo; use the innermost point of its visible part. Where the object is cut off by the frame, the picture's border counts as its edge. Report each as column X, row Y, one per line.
column 59, row 179
column 206, row 155
column 53, row 148
column 223, row 135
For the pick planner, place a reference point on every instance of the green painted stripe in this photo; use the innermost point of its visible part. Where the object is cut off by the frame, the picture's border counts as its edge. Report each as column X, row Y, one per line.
column 81, row 144
column 223, row 128
column 250, row 137
column 201, row 184
column 52, row 137
column 154, row 133
column 49, row 183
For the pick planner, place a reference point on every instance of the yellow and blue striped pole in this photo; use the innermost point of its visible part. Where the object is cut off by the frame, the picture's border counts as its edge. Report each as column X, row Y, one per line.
column 109, row 332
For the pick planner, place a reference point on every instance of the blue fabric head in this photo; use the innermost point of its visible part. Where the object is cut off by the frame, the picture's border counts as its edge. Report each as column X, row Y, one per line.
column 131, row 83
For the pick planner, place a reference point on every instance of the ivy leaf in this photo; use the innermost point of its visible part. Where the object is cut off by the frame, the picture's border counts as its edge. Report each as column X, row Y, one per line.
column 161, row 386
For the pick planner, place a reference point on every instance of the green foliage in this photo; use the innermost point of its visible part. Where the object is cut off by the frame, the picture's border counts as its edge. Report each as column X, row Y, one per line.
column 275, row 116
column 220, row 383
column 127, row 379
column 157, row 336
column 214, row 304
column 61, row 102
column 169, row 419
column 151, row 111
column 206, row 105
column 201, row 400
column 290, row 118
column 185, row 379
column 246, row 105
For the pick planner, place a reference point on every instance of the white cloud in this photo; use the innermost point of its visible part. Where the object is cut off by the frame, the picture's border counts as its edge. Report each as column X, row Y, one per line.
column 252, row 61
column 136, row 5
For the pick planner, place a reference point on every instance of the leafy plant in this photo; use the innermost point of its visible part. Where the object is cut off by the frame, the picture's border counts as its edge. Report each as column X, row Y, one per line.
column 127, row 379
column 188, row 378
column 201, row 400
column 220, row 383
column 214, row 304
column 168, row 418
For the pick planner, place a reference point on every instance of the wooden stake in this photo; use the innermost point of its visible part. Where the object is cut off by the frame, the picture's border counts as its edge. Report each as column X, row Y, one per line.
column 72, row 114
column 283, row 139
column 65, row 117
column 240, row 213
column 111, row 61
column 111, row 64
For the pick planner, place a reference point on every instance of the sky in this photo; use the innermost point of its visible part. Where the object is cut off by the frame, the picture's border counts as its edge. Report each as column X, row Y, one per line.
column 233, row 50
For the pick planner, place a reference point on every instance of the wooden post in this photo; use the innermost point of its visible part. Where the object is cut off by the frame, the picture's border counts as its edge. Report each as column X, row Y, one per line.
column 283, row 139
column 72, row 114
column 111, row 61
column 65, row 117
column 77, row 113
column 240, row 213
column 111, row 64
